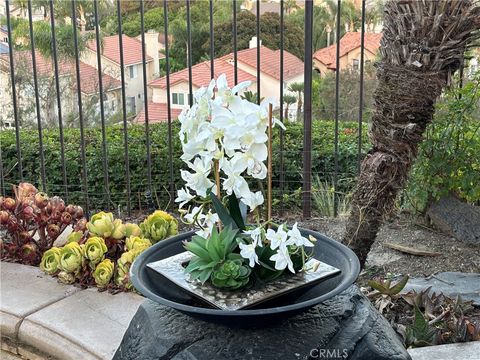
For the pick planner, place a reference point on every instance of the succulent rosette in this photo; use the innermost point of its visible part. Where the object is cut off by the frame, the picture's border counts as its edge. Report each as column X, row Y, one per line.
column 132, row 230
column 231, row 275
column 119, row 230
column 66, row 277
column 71, row 257
column 136, row 242
column 101, row 224
column 159, row 226
column 74, row 236
column 50, row 260
column 103, row 273
column 94, row 250
column 122, row 277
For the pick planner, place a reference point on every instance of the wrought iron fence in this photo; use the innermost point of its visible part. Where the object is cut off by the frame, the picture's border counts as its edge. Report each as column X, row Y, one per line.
column 7, row 179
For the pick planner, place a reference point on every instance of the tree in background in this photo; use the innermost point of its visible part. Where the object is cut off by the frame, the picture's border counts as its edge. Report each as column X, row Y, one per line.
column 323, row 94
column 288, row 100
column 297, row 87
column 411, row 77
column 269, row 34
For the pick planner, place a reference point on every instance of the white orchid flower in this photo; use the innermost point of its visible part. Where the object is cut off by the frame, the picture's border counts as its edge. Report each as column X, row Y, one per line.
column 253, row 200
column 256, row 235
column 296, row 237
column 278, row 239
column 183, row 197
column 247, row 251
column 193, row 215
column 282, row 260
column 198, row 181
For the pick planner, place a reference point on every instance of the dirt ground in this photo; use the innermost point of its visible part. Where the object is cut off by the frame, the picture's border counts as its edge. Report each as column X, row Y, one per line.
column 412, row 232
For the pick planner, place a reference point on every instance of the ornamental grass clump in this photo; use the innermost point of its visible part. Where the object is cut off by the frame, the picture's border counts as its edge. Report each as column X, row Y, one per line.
column 31, row 222
column 225, row 141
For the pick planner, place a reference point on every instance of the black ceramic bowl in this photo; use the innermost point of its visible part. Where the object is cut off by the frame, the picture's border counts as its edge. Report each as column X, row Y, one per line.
column 159, row 289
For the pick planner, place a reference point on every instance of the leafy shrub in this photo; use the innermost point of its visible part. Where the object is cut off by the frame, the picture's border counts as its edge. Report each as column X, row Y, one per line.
column 322, row 156
column 448, row 160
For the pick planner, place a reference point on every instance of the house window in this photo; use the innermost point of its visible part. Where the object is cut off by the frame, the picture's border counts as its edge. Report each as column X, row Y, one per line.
column 356, row 64
column 132, row 108
column 178, row 98
column 113, row 105
column 133, row 71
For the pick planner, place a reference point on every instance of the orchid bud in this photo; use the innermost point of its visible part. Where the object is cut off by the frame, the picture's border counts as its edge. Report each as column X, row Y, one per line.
column 9, row 204
column 53, row 231
column 66, row 218
column 41, row 200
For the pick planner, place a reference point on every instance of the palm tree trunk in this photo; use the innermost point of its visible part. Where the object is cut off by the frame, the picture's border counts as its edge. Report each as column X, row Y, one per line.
column 423, row 44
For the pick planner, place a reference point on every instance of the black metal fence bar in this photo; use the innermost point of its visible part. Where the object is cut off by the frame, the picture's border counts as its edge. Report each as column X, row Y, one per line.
column 234, row 30
column 281, row 169
column 14, row 91
column 258, row 51
column 80, row 110
column 145, row 98
column 362, row 72
column 37, row 99
column 337, row 98
column 59, row 102
column 102, row 108
column 307, row 114
column 189, row 55
column 212, row 39
column 169, row 105
column 124, row 107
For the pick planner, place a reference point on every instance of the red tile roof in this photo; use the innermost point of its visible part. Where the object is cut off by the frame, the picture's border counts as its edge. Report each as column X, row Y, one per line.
column 88, row 74
column 201, row 74
column 270, row 62
column 132, row 49
column 349, row 42
column 157, row 112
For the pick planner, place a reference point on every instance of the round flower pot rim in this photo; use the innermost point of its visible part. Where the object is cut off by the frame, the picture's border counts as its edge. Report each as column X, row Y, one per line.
column 139, row 266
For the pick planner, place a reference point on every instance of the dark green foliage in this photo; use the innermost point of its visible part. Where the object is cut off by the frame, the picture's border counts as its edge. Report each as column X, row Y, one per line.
column 231, row 275
column 323, row 161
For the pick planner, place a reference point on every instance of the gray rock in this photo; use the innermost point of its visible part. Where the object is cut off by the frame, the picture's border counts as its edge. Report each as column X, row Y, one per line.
column 345, row 326
column 451, row 284
column 456, row 218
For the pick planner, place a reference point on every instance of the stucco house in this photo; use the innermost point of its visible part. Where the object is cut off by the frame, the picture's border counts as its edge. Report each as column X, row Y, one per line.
column 46, row 89
column 132, row 55
column 247, row 71
column 324, row 60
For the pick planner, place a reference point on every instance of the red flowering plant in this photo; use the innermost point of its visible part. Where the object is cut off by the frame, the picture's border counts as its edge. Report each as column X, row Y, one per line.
column 31, row 221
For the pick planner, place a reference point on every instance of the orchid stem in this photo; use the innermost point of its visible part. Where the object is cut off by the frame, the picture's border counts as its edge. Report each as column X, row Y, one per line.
column 269, row 184
column 217, row 182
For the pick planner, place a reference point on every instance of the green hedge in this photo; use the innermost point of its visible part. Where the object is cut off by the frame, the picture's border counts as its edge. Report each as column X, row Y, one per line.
column 323, row 160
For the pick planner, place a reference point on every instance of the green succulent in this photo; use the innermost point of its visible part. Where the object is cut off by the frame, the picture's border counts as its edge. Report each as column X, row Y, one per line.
column 119, row 229
column 50, row 260
column 159, row 225
column 136, row 242
column 101, row 224
column 66, row 277
column 94, row 250
column 74, row 236
column 132, row 230
column 122, row 277
column 103, row 273
column 210, row 253
column 231, row 275
column 71, row 257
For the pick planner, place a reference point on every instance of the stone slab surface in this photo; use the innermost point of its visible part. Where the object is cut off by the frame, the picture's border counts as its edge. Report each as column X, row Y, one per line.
column 344, row 325
column 24, row 290
column 86, row 325
column 457, row 218
column 451, row 284
column 459, row 351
